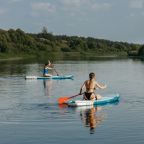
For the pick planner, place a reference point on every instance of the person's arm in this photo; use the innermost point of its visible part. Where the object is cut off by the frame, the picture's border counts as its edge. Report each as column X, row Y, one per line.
column 50, row 64
column 47, row 67
column 83, row 85
column 100, row 86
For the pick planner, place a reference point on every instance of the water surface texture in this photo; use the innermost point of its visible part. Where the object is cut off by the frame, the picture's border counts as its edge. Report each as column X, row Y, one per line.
column 29, row 113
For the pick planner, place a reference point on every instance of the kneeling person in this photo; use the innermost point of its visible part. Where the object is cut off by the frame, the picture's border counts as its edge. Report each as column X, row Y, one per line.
column 91, row 86
column 46, row 69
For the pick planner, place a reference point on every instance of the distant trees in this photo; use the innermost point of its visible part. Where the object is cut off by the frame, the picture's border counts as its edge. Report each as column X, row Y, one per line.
column 44, row 30
column 18, row 42
column 141, row 51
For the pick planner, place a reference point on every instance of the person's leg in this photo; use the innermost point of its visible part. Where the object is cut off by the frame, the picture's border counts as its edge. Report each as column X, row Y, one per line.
column 92, row 97
column 98, row 97
column 47, row 75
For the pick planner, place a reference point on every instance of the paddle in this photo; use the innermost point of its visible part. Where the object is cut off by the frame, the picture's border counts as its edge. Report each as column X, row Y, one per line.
column 53, row 67
column 56, row 72
column 62, row 100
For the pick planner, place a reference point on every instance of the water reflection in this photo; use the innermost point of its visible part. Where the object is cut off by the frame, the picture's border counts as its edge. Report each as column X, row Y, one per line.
column 7, row 69
column 48, row 87
column 90, row 118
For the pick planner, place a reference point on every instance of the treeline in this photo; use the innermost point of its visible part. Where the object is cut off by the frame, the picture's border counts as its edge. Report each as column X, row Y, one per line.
column 18, row 42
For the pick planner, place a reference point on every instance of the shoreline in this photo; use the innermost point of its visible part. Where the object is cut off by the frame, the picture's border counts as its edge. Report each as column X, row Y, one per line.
column 65, row 57
column 12, row 58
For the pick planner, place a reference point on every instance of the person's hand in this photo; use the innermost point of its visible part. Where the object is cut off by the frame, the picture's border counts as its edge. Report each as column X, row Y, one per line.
column 52, row 65
column 105, row 86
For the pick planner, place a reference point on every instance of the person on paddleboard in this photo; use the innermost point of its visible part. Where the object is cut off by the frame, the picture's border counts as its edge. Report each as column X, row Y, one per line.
column 90, row 86
column 48, row 66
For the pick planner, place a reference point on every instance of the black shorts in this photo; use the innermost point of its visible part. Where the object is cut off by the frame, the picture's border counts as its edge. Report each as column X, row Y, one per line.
column 88, row 95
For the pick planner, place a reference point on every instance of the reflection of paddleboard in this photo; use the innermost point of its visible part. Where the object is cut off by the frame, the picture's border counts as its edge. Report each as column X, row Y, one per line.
column 50, row 77
column 106, row 99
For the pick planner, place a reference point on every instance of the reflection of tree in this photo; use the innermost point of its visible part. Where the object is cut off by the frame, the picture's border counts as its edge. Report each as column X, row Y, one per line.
column 47, row 87
column 10, row 68
column 90, row 119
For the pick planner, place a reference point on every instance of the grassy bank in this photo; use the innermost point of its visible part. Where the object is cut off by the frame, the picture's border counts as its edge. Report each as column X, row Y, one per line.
column 6, row 57
column 62, row 56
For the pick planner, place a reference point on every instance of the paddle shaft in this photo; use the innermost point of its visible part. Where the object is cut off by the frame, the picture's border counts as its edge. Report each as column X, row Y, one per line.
column 56, row 71
column 74, row 96
column 62, row 100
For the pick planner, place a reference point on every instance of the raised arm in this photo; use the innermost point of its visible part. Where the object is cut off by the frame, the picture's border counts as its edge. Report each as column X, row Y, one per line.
column 50, row 64
column 101, row 86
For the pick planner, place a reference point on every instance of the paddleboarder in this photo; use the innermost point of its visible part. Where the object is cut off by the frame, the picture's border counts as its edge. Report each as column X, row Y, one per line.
column 90, row 86
column 48, row 66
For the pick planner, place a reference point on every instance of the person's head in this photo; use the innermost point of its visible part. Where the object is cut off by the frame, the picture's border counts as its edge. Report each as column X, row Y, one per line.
column 91, row 75
column 46, row 64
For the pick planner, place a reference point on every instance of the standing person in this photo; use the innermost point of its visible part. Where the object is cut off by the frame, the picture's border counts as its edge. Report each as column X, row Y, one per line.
column 90, row 86
column 46, row 69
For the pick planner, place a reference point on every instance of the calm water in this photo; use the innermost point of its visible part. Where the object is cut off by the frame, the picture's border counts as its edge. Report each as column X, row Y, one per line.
column 29, row 113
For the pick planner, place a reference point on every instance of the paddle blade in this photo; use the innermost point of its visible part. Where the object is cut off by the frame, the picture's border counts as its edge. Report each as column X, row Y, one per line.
column 62, row 100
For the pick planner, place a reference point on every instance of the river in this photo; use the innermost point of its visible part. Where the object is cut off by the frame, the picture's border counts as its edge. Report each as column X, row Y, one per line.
column 29, row 113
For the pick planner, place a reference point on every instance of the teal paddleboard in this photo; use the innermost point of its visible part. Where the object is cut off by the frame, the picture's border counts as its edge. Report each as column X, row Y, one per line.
column 50, row 77
column 105, row 99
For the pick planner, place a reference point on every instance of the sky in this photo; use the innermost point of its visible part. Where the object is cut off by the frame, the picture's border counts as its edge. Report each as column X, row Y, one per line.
column 116, row 20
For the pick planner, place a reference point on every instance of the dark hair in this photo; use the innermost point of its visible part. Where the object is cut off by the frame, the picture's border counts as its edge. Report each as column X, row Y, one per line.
column 91, row 75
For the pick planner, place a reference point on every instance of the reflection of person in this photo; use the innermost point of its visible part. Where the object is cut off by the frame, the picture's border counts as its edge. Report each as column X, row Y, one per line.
column 47, row 87
column 46, row 69
column 91, row 86
column 90, row 119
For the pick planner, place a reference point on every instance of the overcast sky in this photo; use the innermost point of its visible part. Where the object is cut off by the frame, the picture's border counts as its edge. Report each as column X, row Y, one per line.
column 117, row 20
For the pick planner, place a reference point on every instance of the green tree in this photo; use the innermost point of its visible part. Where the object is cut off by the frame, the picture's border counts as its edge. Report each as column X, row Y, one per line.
column 44, row 30
column 141, row 51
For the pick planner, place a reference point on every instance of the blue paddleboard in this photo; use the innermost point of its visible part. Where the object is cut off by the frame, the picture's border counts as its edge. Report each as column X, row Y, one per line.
column 50, row 77
column 105, row 99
